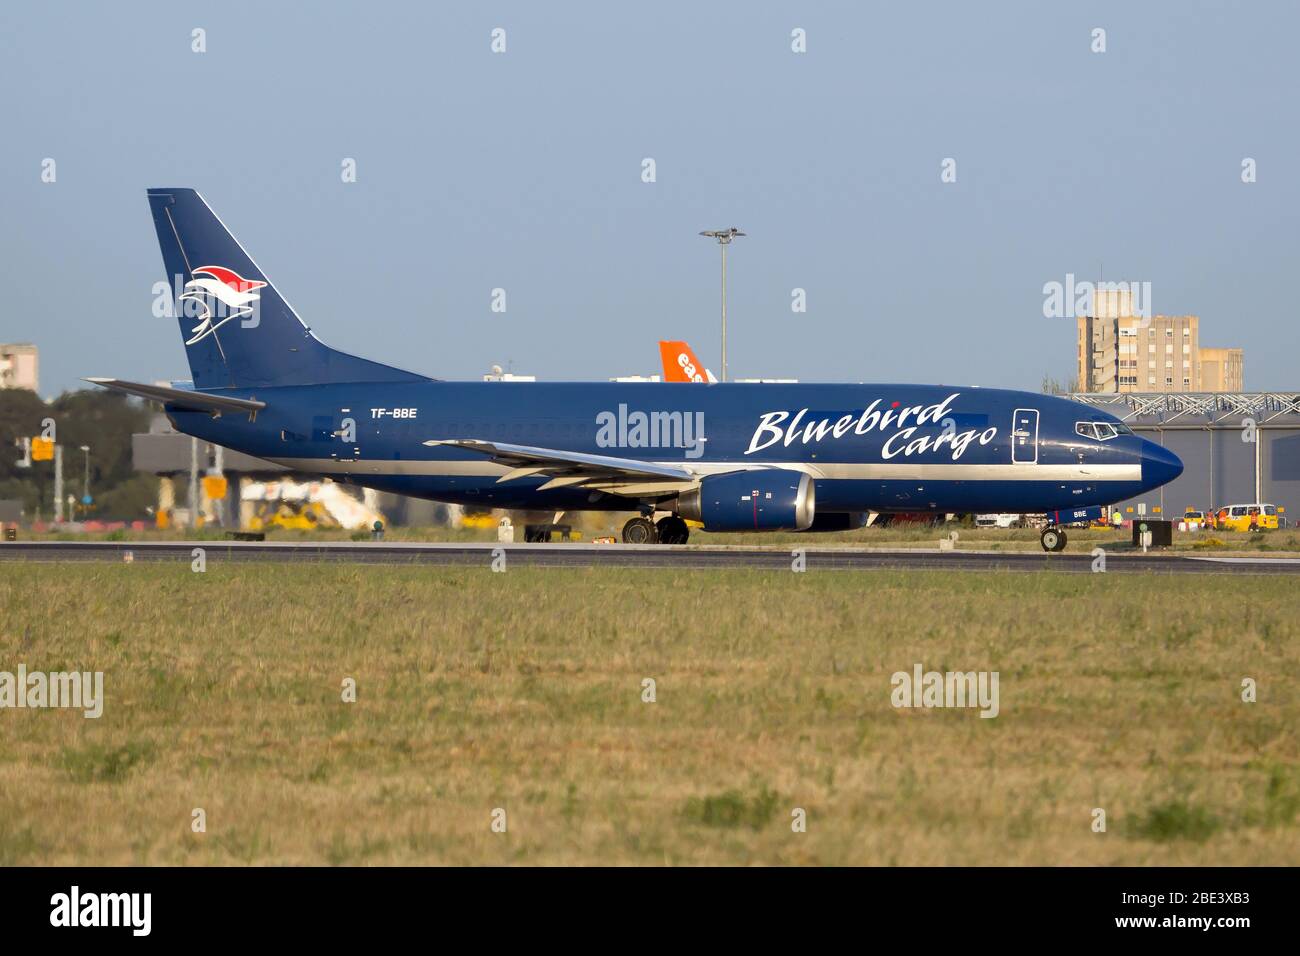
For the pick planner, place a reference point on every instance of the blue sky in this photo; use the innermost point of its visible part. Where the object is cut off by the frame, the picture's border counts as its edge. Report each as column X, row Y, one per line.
column 522, row 171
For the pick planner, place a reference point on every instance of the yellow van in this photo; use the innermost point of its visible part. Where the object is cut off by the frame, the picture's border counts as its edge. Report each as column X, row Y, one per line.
column 1255, row 517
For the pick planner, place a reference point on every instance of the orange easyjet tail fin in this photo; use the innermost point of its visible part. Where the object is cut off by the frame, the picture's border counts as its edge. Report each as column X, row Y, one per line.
column 681, row 365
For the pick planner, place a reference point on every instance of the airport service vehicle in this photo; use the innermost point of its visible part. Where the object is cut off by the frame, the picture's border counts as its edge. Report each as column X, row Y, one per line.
column 1249, row 517
column 1193, row 520
column 997, row 521
column 734, row 457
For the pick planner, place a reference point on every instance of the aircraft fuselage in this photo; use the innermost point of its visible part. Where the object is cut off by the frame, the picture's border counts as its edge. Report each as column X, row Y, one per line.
column 867, row 447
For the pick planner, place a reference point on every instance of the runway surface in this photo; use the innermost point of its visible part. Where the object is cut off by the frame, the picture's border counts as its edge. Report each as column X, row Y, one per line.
column 634, row 556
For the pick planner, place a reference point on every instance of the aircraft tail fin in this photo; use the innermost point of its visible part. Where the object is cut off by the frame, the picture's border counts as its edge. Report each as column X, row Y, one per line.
column 237, row 329
column 681, row 365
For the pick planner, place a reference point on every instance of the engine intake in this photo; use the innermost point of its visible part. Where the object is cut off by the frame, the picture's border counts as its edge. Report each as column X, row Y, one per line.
column 760, row 500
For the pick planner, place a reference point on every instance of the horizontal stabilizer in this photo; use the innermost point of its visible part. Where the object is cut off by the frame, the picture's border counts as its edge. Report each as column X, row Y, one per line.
column 182, row 398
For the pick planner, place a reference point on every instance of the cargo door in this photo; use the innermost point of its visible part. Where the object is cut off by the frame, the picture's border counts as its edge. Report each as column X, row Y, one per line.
column 1024, row 436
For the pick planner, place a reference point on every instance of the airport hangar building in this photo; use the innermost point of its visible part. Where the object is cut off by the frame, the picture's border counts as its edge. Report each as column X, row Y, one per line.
column 1236, row 447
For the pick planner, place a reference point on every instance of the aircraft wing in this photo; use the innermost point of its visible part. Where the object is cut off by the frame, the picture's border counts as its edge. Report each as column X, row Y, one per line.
column 577, row 469
column 182, row 398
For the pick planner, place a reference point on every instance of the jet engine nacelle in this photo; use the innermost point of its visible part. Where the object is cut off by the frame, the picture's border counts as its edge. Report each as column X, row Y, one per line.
column 760, row 500
column 838, row 521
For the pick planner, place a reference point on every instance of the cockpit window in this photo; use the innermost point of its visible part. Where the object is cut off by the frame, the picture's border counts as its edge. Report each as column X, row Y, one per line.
column 1101, row 431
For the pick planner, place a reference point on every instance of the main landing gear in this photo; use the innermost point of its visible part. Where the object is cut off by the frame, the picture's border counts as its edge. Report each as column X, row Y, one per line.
column 669, row 530
column 1053, row 539
column 640, row 531
column 672, row 530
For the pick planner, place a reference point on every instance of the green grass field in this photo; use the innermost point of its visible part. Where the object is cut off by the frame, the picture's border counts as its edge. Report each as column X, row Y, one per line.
column 523, row 691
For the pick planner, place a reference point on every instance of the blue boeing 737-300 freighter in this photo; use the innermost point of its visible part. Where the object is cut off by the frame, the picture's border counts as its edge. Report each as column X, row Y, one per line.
column 733, row 457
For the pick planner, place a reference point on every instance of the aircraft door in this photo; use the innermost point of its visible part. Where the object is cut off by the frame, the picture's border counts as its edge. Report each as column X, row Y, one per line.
column 1024, row 436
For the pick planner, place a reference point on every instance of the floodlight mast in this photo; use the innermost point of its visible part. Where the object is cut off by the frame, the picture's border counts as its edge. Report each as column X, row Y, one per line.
column 724, row 237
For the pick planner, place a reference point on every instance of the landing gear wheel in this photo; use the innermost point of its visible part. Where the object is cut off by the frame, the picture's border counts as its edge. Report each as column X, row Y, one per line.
column 672, row 530
column 640, row 531
column 1053, row 539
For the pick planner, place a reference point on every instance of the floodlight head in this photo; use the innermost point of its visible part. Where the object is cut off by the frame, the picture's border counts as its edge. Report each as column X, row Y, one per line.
column 723, row 236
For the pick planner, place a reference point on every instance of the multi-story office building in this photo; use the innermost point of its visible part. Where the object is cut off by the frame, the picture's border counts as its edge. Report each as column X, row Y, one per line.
column 1121, row 352
column 19, row 367
column 1221, row 370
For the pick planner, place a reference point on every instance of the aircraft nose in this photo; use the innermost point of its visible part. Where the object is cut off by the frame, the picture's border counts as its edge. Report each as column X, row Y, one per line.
column 1159, row 465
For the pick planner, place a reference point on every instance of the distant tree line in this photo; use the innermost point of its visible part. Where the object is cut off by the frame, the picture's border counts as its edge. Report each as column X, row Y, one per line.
column 100, row 419
column 1052, row 386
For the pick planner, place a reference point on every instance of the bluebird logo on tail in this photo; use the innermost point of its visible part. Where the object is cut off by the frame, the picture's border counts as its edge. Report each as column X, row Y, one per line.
column 222, row 294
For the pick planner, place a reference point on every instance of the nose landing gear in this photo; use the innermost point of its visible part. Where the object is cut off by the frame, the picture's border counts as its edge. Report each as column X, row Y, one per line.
column 1053, row 539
